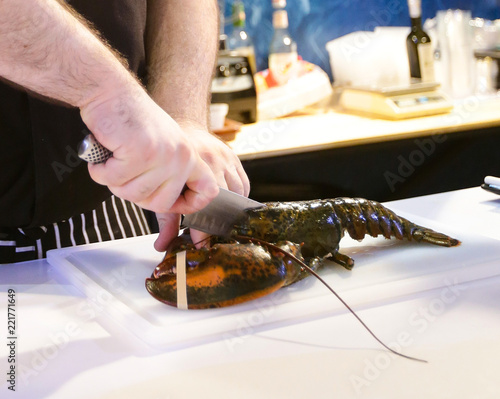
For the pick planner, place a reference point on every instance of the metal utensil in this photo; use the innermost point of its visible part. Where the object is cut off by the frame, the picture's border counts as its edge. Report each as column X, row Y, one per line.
column 219, row 216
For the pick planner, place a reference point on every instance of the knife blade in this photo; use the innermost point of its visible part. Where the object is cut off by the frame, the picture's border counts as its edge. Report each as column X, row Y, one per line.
column 217, row 218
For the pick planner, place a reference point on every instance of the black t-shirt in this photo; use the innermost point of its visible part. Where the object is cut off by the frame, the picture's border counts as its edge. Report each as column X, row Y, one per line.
column 43, row 180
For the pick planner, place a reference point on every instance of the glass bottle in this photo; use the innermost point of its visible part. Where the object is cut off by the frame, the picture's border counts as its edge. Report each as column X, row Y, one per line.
column 239, row 40
column 283, row 57
column 419, row 47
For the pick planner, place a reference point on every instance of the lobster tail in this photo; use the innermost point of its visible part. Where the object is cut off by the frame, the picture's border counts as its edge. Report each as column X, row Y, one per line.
column 424, row 234
column 360, row 217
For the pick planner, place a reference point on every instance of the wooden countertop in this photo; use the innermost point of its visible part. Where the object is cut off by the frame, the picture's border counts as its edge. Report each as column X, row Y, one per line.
column 330, row 128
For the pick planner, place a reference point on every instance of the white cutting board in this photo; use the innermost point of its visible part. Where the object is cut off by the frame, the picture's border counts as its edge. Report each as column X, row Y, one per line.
column 112, row 276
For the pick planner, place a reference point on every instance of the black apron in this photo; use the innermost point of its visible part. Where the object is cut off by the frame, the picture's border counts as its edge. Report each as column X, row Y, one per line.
column 47, row 198
column 43, row 180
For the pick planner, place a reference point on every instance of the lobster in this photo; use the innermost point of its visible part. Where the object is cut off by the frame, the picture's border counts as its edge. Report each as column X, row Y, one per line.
column 272, row 247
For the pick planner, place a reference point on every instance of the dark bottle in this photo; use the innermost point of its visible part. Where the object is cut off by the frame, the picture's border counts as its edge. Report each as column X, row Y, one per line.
column 419, row 47
column 240, row 41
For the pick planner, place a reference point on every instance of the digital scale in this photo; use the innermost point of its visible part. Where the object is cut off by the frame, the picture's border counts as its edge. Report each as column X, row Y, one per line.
column 415, row 100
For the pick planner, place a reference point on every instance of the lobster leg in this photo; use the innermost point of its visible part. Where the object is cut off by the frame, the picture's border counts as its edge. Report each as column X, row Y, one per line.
column 342, row 260
column 314, row 263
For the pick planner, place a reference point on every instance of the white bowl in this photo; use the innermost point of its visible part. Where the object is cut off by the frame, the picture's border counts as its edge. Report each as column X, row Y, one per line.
column 218, row 114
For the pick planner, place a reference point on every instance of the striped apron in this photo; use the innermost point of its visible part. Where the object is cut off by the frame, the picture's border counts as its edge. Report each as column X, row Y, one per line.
column 114, row 219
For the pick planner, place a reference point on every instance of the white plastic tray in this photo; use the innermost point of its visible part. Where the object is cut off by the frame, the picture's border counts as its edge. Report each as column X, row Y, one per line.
column 112, row 276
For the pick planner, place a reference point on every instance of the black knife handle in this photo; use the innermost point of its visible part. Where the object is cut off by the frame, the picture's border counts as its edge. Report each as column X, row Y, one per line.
column 491, row 188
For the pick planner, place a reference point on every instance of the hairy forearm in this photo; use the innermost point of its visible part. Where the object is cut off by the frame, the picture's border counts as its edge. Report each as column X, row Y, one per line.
column 182, row 45
column 48, row 49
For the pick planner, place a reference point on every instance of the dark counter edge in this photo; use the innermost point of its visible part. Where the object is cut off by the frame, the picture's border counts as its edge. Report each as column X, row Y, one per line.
column 383, row 171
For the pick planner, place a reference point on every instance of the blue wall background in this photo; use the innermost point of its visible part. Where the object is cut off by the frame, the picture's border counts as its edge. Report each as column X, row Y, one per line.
column 313, row 23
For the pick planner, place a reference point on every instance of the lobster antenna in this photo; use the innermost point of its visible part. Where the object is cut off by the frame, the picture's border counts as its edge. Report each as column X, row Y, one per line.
column 204, row 239
column 311, row 271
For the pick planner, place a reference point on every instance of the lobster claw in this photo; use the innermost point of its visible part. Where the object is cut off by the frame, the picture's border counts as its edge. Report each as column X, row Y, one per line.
column 223, row 275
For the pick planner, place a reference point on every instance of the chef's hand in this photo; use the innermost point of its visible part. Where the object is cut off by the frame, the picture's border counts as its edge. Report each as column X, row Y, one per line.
column 152, row 157
column 227, row 169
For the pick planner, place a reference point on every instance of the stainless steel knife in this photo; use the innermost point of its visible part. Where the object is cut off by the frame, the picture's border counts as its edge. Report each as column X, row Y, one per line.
column 216, row 218
column 219, row 216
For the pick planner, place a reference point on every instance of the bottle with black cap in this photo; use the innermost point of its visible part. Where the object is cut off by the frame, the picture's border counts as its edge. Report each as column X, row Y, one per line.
column 419, row 47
